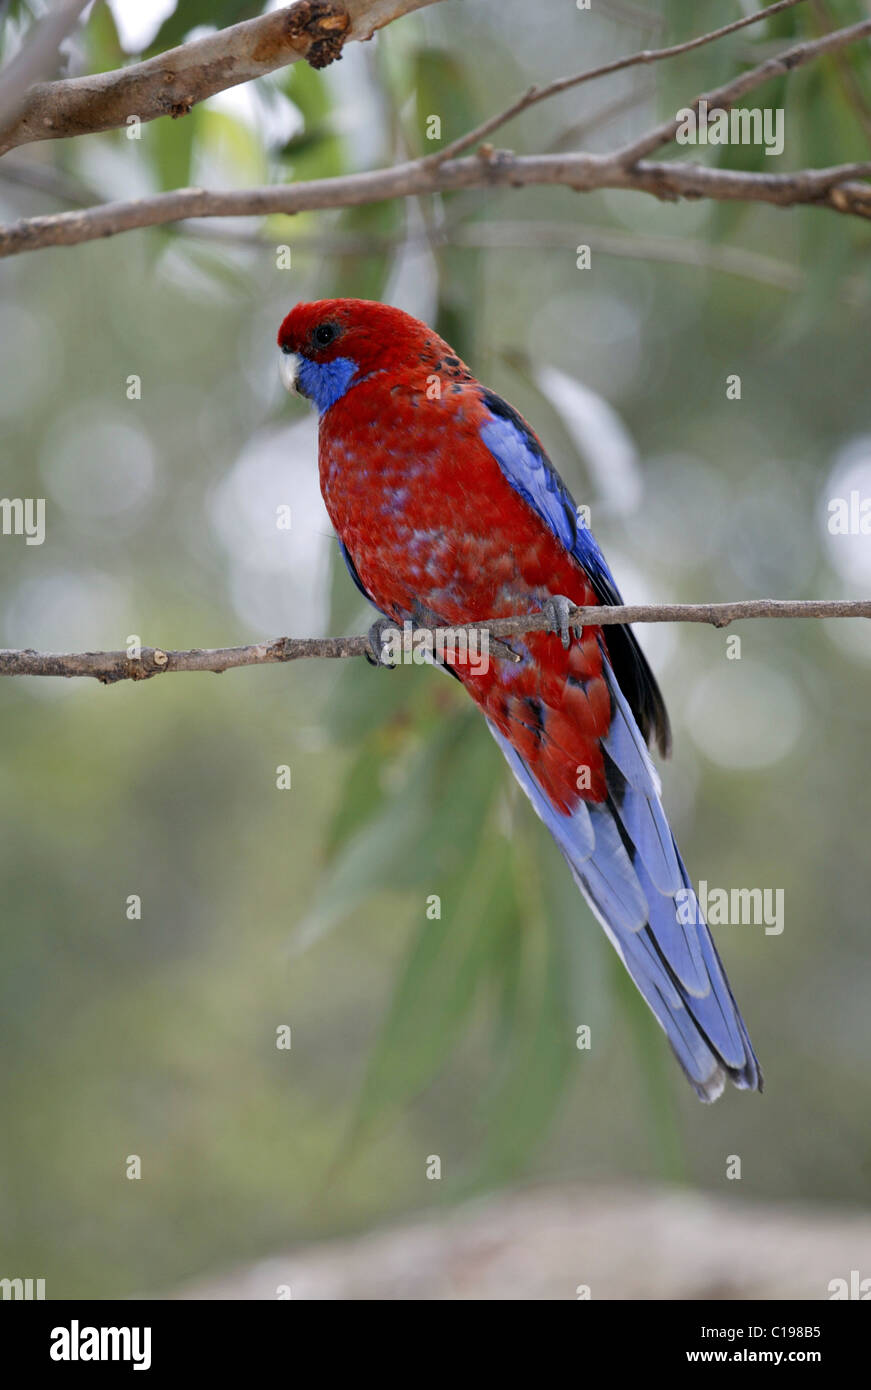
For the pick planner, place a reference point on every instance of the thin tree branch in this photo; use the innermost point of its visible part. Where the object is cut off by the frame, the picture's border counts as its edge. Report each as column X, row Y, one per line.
column 171, row 83
column 726, row 96
column 836, row 187
column 109, row 667
column 500, row 235
column 563, row 84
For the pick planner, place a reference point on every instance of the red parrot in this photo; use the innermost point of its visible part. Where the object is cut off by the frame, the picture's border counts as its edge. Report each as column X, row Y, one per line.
column 448, row 511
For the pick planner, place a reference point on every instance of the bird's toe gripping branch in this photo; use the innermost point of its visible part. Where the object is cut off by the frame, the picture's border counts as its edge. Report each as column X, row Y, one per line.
column 377, row 635
column 557, row 609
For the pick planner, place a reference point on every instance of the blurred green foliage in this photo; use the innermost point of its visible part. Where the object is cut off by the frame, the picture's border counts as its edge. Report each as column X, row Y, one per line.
column 412, row 1034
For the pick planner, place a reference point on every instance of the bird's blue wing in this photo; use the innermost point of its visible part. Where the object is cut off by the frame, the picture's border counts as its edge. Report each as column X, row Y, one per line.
column 621, row 850
column 530, row 472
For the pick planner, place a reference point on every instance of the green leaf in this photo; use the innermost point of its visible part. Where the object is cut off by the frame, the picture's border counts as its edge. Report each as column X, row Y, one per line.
column 364, row 274
column 362, row 795
column 826, row 242
column 420, row 836
column 308, row 90
column 439, row 984
column 103, row 45
column 461, row 274
column 443, row 89
column 318, row 150
column 536, row 1072
column 365, row 698
column 536, row 1040
column 171, row 146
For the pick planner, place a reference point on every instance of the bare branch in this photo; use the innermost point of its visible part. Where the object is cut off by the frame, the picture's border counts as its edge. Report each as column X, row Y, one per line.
column 109, row 667
column 563, row 84
column 726, row 96
column 836, row 188
column 172, row 82
column 502, row 236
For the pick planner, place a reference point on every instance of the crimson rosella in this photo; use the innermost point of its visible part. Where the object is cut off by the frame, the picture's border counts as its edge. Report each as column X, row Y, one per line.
column 448, row 511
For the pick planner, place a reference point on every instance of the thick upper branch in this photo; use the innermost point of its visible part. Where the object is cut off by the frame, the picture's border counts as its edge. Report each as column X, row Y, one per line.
column 172, row 82
column 177, row 78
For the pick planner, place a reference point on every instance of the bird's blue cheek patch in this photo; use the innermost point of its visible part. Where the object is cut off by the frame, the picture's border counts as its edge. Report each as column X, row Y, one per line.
column 325, row 382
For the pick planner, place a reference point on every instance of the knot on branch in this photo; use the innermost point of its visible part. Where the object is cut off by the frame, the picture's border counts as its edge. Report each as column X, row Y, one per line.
column 320, row 27
column 152, row 662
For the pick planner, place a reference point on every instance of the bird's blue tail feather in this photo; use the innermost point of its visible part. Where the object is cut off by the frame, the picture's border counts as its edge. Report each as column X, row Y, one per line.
column 625, row 861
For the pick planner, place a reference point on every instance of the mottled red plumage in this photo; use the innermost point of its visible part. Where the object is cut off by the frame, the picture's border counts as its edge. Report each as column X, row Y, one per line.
column 463, row 543
column 449, row 512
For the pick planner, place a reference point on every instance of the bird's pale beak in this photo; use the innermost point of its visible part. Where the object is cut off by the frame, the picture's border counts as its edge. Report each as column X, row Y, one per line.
column 288, row 369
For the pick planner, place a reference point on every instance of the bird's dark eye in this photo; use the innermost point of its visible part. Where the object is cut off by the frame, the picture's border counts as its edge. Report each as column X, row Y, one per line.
column 325, row 333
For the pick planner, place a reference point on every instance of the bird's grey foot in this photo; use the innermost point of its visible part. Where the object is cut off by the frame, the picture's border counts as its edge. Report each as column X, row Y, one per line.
column 557, row 609
column 377, row 634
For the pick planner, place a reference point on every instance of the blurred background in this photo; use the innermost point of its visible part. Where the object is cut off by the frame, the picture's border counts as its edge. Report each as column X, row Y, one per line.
column 307, row 908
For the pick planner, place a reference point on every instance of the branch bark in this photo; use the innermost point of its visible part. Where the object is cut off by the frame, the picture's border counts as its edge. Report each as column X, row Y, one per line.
column 109, row 667
column 172, row 82
column 726, row 96
column 564, row 84
column 838, row 188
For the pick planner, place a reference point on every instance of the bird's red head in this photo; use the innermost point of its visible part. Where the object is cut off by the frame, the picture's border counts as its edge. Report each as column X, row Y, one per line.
column 331, row 344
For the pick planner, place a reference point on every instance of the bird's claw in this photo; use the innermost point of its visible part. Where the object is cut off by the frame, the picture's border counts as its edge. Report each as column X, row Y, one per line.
column 557, row 609
column 376, row 636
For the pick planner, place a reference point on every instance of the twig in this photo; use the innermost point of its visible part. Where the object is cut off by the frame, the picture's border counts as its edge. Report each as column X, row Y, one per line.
column 171, row 83
column 835, row 187
column 563, row 84
column 109, row 667
column 726, row 96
